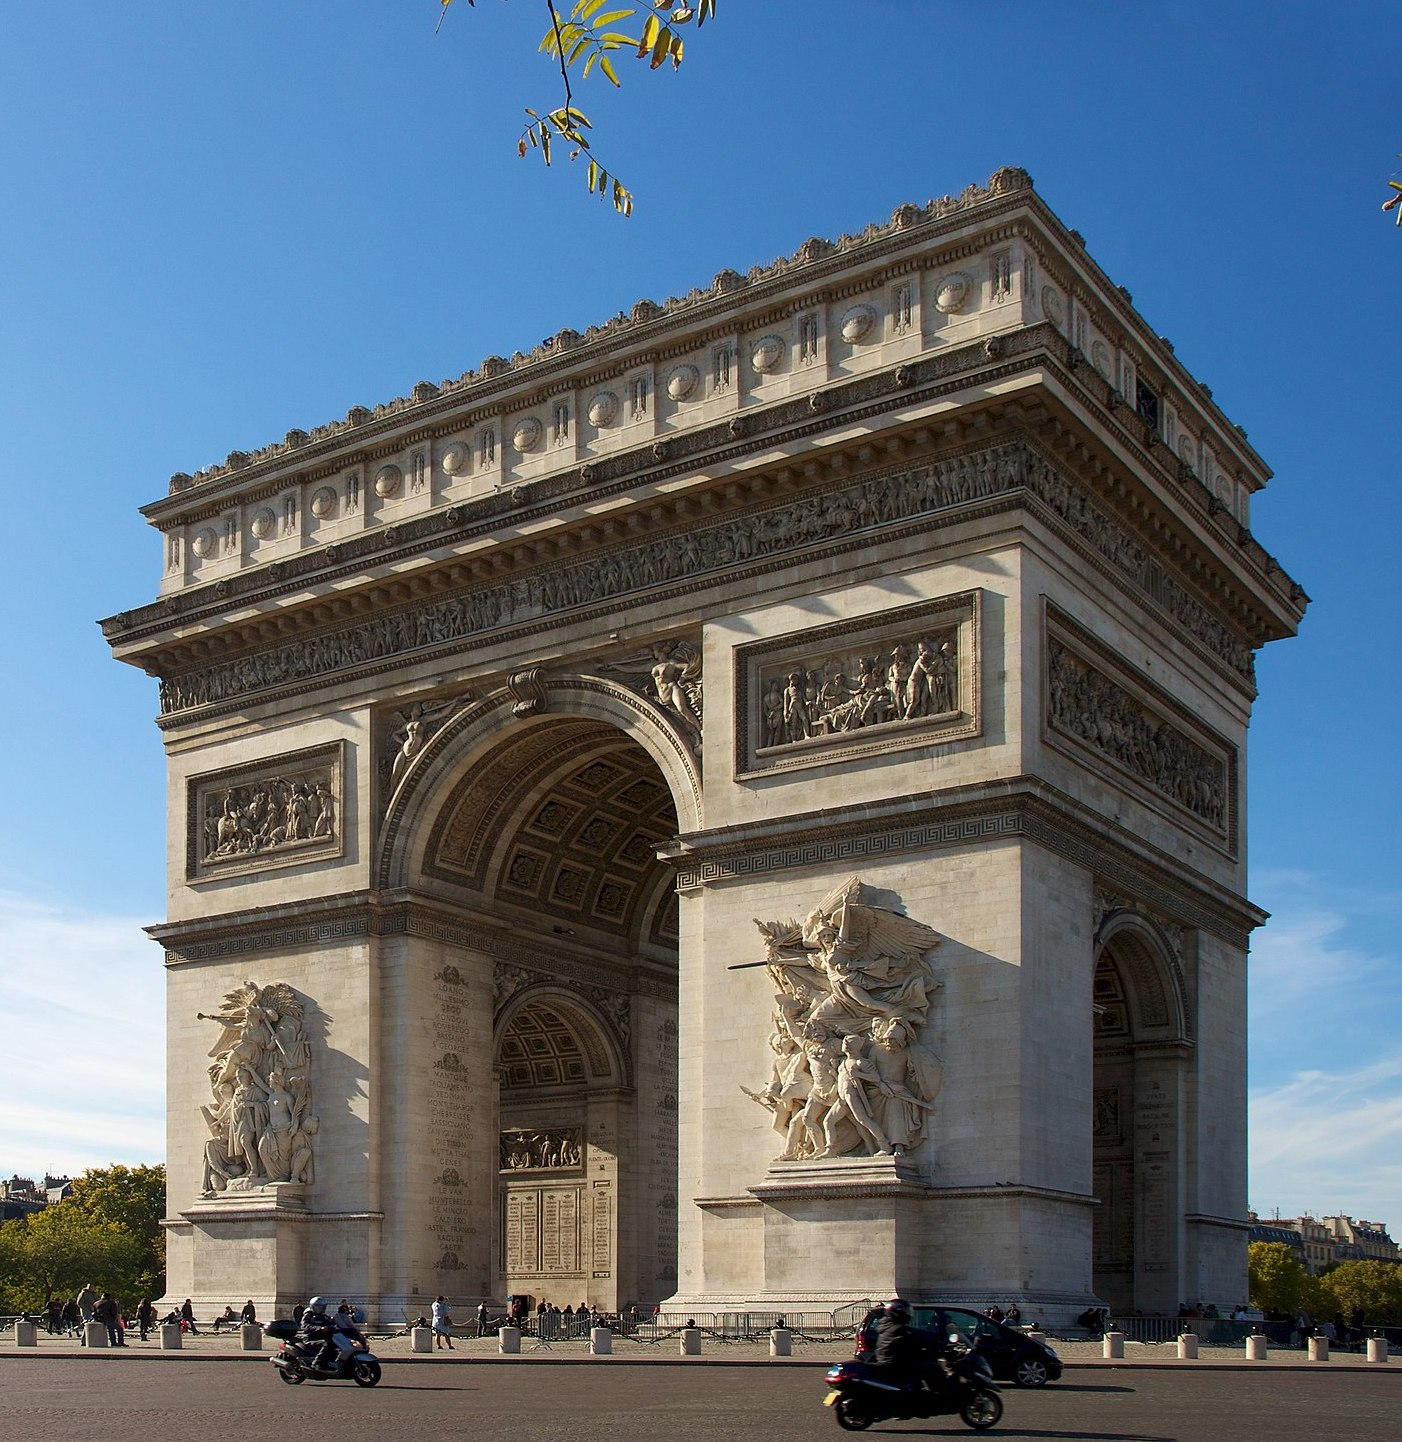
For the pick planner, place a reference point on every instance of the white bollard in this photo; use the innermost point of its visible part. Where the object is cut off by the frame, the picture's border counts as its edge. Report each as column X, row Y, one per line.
column 94, row 1334
column 421, row 1339
column 691, row 1342
column 1319, row 1349
column 26, row 1334
column 171, row 1340
column 1377, row 1349
column 781, row 1342
column 508, row 1341
column 1188, row 1347
column 1114, row 1345
column 1256, row 1349
column 251, row 1337
column 601, row 1342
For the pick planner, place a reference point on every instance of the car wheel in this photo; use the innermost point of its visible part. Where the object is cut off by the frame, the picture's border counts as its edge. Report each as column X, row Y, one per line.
column 1030, row 1372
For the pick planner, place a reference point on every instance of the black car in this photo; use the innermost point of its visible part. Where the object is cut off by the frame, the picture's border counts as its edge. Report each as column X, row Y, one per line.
column 1023, row 1358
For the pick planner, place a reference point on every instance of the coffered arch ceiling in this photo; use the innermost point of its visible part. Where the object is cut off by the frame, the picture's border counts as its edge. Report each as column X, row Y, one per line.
column 562, row 822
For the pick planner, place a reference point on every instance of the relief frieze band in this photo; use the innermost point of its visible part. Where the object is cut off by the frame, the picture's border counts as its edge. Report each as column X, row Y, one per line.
column 1096, row 705
column 743, row 543
column 280, row 812
column 904, row 678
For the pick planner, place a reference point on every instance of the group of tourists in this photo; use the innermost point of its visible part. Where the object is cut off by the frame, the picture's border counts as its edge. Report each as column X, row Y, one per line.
column 68, row 1318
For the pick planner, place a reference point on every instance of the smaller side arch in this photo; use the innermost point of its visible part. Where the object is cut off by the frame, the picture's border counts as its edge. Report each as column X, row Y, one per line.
column 606, row 1053
column 1157, row 996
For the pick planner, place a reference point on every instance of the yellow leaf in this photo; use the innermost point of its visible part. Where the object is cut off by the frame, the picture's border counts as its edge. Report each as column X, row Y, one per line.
column 660, row 48
column 649, row 35
column 607, row 68
column 612, row 18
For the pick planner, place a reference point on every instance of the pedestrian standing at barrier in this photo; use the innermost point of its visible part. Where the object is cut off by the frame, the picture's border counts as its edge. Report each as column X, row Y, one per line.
column 483, row 1319
column 442, row 1322
column 86, row 1300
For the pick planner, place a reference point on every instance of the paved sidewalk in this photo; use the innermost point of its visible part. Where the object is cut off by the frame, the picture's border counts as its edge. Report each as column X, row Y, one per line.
column 226, row 1346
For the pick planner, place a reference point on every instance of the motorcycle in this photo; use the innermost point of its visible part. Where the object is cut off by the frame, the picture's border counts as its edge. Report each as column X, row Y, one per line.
column 298, row 1357
column 861, row 1396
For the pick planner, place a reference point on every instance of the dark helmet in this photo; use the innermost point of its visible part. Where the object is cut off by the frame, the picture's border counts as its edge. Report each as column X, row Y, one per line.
column 898, row 1307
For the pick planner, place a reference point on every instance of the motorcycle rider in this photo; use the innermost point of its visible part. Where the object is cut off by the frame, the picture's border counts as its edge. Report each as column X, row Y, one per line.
column 320, row 1326
column 907, row 1355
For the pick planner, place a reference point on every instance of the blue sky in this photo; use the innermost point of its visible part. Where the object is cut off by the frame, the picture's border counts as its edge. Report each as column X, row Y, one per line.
column 223, row 221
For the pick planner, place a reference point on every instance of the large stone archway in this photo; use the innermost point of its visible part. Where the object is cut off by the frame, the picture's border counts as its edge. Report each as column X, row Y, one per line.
column 900, row 596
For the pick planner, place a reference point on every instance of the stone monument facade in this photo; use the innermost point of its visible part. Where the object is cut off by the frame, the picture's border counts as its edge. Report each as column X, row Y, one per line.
column 742, row 806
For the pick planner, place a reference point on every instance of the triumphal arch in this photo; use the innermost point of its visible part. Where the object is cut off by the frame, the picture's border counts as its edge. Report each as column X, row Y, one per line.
column 740, row 806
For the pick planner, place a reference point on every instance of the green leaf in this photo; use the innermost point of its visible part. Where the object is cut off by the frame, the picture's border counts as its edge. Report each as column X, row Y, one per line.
column 649, row 35
column 661, row 46
column 612, row 18
column 593, row 174
column 607, row 67
column 590, row 63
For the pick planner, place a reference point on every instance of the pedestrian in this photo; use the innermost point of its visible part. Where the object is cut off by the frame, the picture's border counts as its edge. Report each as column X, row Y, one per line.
column 145, row 1317
column 86, row 1300
column 187, row 1317
column 106, row 1311
column 249, row 1315
column 483, row 1318
column 442, row 1323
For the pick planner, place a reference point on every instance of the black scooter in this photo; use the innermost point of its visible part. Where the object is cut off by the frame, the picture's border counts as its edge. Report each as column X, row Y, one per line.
column 297, row 1359
column 861, row 1396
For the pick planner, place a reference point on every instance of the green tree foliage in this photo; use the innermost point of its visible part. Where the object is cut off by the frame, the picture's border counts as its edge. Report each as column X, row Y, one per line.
column 1376, row 1287
column 1276, row 1275
column 586, row 41
column 59, row 1250
column 106, row 1231
column 134, row 1198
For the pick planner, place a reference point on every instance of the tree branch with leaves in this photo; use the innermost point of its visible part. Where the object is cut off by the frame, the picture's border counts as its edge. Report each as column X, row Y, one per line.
column 585, row 42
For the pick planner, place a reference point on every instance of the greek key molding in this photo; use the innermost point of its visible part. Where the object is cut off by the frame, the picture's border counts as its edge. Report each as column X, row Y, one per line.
column 941, row 821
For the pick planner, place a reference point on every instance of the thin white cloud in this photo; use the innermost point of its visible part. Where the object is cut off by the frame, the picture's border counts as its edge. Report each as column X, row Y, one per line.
column 1326, row 1053
column 82, row 996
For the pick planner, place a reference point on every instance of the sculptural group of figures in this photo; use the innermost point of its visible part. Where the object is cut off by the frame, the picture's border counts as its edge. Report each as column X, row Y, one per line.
column 246, row 820
column 523, row 1149
column 906, row 684
column 261, row 1122
column 1092, row 707
column 852, row 1070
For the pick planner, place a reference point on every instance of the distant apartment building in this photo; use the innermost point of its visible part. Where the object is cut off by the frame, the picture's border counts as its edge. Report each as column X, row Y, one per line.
column 1322, row 1242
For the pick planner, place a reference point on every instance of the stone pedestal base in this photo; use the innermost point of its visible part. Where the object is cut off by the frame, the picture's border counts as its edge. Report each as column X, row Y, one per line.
column 171, row 1337
column 1256, row 1349
column 1377, row 1349
column 94, row 1334
column 421, row 1339
column 1114, row 1345
column 601, row 1342
column 1319, row 1349
column 781, row 1342
column 251, row 1337
column 1187, row 1347
column 691, row 1342
column 509, row 1341
column 26, row 1334
column 253, row 1242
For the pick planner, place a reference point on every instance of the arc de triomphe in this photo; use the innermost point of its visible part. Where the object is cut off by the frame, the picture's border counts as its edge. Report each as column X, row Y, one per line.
column 899, row 596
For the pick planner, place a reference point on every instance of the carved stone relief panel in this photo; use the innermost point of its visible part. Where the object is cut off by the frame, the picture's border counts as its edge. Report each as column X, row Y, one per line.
column 260, row 1115
column 1096, row 706
column 853, row 1072
column 530, row 1149
column 278, row 812
column 901, row 678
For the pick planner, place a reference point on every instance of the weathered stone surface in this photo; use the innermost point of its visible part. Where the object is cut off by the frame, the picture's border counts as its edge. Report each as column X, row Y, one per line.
column 901, row 595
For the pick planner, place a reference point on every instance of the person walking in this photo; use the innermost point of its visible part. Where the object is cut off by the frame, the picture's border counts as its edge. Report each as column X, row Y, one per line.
column 442, row 1323
column 145, row 1317
column 483, row 1318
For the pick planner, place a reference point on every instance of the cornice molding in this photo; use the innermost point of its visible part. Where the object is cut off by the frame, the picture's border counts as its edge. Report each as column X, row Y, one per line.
column 1020, row 809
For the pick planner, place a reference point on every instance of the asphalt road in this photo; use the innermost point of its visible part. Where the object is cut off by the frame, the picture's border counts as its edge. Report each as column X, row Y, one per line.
column 81, row 1400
